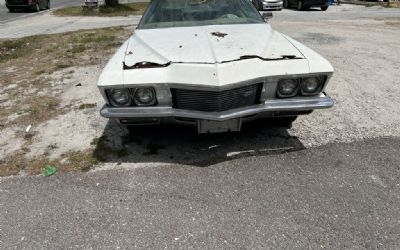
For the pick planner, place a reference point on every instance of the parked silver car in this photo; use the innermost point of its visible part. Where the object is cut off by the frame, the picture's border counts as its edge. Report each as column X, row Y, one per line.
column 268, row 4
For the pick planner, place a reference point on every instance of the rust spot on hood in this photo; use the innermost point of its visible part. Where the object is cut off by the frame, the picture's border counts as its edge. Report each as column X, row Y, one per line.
column 144, row 65
column 219, row 34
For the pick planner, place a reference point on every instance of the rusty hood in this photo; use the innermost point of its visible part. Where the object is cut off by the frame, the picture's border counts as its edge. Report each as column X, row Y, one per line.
column 207, row 44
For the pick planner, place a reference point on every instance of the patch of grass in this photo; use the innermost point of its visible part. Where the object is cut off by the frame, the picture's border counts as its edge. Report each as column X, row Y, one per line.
column 16, row 48
column 70, row 161
column 79, row 161
column 15, row 163
column 39, row 71
column 87, row 106
column 39, row 109
column 119, row 10
column 78, row 48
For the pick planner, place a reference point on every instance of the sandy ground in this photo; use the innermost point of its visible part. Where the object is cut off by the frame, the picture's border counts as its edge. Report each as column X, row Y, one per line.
column 365, row 87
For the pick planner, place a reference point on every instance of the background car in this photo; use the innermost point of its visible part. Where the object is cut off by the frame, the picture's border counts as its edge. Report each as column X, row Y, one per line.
column 306, row 4
column 33, row 5
column 268, row 4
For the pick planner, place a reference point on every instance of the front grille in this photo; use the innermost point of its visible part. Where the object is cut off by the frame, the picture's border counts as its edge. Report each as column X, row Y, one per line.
column 216, row 101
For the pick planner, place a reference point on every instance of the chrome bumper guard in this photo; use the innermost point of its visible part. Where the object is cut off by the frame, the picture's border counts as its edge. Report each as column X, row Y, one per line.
column 294, row 104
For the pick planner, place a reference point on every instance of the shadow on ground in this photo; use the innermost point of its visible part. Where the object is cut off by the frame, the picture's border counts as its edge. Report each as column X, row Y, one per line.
column 182, row 145
column 22, row 10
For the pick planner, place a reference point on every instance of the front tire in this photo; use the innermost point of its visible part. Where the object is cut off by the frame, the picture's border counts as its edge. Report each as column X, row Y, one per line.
column 35, row 8
column 286, row 4
column 324, row 8
column 260, row 6
column 300, row 5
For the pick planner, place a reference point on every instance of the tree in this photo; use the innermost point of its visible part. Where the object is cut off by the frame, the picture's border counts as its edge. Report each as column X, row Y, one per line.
column 112, row 3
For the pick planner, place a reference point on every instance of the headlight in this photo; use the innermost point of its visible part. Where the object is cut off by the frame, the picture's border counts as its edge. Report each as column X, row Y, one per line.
column 310, row 86
column 144, row 96
column 287, row 88
column 120, row 97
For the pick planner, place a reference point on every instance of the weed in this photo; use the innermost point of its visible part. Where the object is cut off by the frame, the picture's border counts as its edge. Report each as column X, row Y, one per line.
column 87, row 106
column 79, row 48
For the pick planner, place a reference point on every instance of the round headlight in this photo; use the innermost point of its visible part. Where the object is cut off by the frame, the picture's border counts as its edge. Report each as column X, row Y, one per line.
column 120, row 97
column 144, row 96
column 287, row 88
column 310, row 86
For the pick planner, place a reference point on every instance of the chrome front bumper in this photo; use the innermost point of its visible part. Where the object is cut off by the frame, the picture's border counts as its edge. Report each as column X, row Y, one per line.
column 277, row 105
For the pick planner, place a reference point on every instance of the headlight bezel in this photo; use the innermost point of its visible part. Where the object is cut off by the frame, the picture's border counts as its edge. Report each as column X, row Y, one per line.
column 138, row 103
column 294, row 93
column 113, row 102
column 316, row 91
column 132, row 102
column 300, row 91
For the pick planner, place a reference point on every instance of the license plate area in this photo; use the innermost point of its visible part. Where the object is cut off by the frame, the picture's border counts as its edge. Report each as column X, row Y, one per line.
column 207, row 126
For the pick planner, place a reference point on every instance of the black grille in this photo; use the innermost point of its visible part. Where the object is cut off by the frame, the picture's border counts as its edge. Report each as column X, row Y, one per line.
column 216, row 101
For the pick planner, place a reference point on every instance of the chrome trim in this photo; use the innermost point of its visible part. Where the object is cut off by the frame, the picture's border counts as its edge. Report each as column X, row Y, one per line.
column 293, row 104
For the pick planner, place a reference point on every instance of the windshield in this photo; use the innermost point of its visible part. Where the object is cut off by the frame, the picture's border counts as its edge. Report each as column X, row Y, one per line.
column 180, row 13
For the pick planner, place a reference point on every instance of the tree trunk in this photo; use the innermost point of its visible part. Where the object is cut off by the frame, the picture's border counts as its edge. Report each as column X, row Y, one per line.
column 112, row 3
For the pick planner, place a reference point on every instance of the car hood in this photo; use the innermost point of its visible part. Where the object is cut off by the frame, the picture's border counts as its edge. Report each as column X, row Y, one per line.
column 207, row 44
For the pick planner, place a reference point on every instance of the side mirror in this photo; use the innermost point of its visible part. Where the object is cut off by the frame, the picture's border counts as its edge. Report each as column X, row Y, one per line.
column 267, row 15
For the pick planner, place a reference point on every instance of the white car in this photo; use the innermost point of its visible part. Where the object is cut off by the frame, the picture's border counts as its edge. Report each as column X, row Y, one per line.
column 213, row 64
column 268, row 4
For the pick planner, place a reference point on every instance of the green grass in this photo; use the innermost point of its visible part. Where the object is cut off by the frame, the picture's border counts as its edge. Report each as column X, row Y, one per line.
column 16, row 48
column 73, row 161
column 120, row 10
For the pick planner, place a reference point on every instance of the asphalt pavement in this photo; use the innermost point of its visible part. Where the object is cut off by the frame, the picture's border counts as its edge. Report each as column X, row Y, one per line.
column 338, row 196
column 6, row 16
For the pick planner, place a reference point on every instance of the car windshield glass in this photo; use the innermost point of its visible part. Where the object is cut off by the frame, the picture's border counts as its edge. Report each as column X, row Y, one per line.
column 181, row 13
